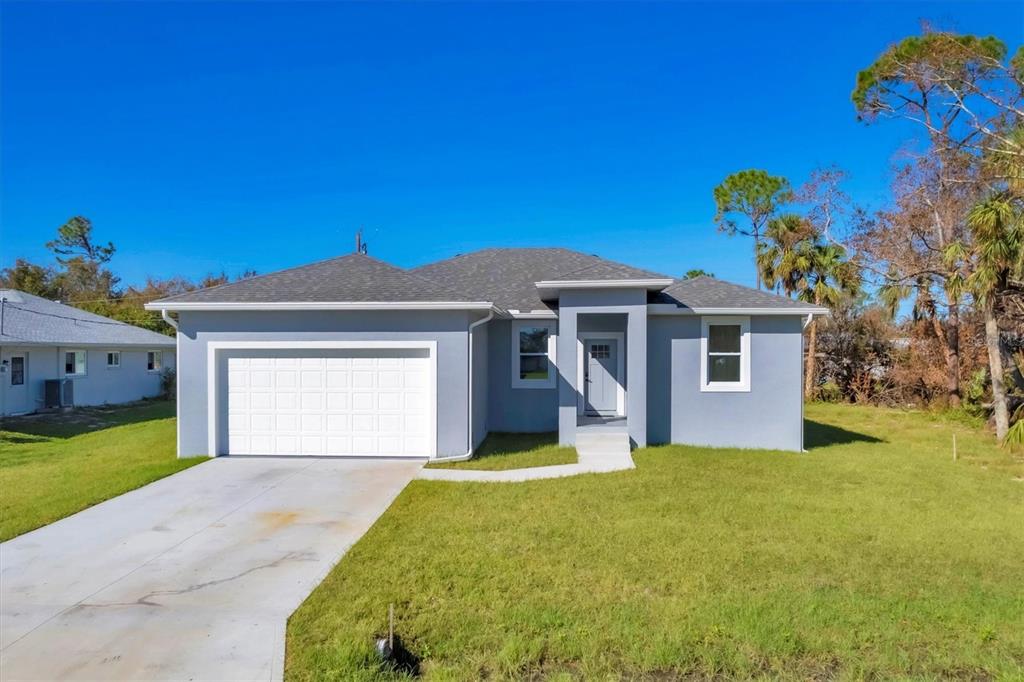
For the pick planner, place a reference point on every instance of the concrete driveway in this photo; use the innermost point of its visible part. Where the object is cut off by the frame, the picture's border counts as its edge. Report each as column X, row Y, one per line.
column 189, row 578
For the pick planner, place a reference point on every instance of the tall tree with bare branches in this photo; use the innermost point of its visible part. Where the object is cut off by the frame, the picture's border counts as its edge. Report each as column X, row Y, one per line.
column 963, row 93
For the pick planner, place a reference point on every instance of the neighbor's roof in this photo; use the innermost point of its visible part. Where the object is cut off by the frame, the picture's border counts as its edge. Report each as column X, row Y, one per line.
column 29, row 319
column 354, row 278
column 708, row 292
column 504, row 277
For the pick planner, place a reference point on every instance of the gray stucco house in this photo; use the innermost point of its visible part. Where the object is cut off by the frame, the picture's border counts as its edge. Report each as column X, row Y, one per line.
column 353, row 356
column 105, row 361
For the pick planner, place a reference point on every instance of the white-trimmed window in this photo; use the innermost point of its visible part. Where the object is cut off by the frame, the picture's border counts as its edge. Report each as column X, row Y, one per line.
column 725, row 353
column 74, row 363
column 533, row 354
column 154, row 360
column 113, row 359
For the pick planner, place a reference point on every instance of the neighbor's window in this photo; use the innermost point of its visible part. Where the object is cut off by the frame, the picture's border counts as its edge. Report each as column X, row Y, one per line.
column 533, row 355
column 114, row 359
column 725, row 348
column 17, row 370
column 74, row 363
column 154, row 360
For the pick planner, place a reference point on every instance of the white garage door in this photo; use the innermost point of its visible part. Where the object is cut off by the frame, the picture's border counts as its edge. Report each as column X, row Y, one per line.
column 370, row 402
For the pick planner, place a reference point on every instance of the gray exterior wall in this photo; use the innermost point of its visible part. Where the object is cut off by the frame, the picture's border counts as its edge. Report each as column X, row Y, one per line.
column 447, row 328
column 770, row 415
column 522, row 410
column 100, row 385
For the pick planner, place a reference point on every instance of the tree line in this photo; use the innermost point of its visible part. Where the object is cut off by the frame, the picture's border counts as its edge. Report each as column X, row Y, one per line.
column 948, row 248
column 81, row 276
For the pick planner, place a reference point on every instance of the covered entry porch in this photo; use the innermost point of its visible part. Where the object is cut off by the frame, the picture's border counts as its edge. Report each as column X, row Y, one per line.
column 602, row 364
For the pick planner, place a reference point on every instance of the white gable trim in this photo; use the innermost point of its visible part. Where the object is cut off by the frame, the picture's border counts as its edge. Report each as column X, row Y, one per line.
column 659, row 283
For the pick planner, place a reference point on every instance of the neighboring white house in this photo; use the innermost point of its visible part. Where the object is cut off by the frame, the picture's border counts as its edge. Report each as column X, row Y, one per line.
column 96, row 360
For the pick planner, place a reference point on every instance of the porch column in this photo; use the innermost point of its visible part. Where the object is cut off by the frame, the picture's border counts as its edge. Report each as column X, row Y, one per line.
column 636, row 374
column 567, row 379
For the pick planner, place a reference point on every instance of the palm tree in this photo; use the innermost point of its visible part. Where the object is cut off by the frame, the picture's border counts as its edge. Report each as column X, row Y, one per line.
column 796, row 258
column 997, row 225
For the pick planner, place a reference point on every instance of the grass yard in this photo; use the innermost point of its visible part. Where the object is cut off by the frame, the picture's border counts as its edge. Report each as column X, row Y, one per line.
column 501, row 451
column 873, row 556
column 54, row 465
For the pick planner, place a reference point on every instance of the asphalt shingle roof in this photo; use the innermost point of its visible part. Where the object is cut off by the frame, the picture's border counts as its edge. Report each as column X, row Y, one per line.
column 349, row 279
column 506, row 277
column 34, row 320
column 606, row 269
column 708, row 292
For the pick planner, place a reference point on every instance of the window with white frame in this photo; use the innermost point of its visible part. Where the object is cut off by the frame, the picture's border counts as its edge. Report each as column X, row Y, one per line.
column 725, row 354
column 154, row 360
column 113, row 359
column 533, row 354
column 74, row 363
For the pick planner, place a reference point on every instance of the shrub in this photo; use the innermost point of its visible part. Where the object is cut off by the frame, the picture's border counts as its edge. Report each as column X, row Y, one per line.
column 168, row 383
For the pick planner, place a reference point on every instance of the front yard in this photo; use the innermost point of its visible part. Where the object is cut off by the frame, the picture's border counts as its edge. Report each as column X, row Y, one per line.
column 874, row 555
column 54, row 465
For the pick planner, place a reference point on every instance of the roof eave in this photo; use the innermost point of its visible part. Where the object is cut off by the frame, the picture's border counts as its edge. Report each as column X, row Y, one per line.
column 65, row 343
column 673, row 309
column 319, row 305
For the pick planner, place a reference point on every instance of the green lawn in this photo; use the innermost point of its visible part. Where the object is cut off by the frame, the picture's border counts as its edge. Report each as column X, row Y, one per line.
column 54, row 465
column 873, row 556
column 501, row 451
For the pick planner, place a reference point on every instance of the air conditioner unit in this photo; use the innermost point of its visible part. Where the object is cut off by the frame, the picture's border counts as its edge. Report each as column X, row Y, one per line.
column 59, row 393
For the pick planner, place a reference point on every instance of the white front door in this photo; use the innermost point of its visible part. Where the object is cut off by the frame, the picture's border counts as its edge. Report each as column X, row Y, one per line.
column 16, row 393
column 372, row 402
column 600, row 381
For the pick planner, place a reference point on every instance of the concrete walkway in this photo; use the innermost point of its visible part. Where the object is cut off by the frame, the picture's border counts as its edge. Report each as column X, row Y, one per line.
column 597, row 452
column 192, row 577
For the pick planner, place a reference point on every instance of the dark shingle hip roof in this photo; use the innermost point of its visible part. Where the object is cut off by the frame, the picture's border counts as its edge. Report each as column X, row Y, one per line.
column 708, row 293
column 355, row 278
column 504, row 277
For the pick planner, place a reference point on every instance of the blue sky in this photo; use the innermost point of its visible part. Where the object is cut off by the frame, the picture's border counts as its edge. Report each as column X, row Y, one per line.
column 203, row 136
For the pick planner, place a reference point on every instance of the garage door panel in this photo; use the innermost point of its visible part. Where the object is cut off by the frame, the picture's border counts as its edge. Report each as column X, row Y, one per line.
column 337, row 378
column 389, row 401
column 338, row 423
column 284, row 400
column 363, row 401
column 337, row 401
column 355, row 402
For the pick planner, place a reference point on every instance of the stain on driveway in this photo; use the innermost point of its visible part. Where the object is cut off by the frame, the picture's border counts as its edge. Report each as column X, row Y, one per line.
column 192, row 577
